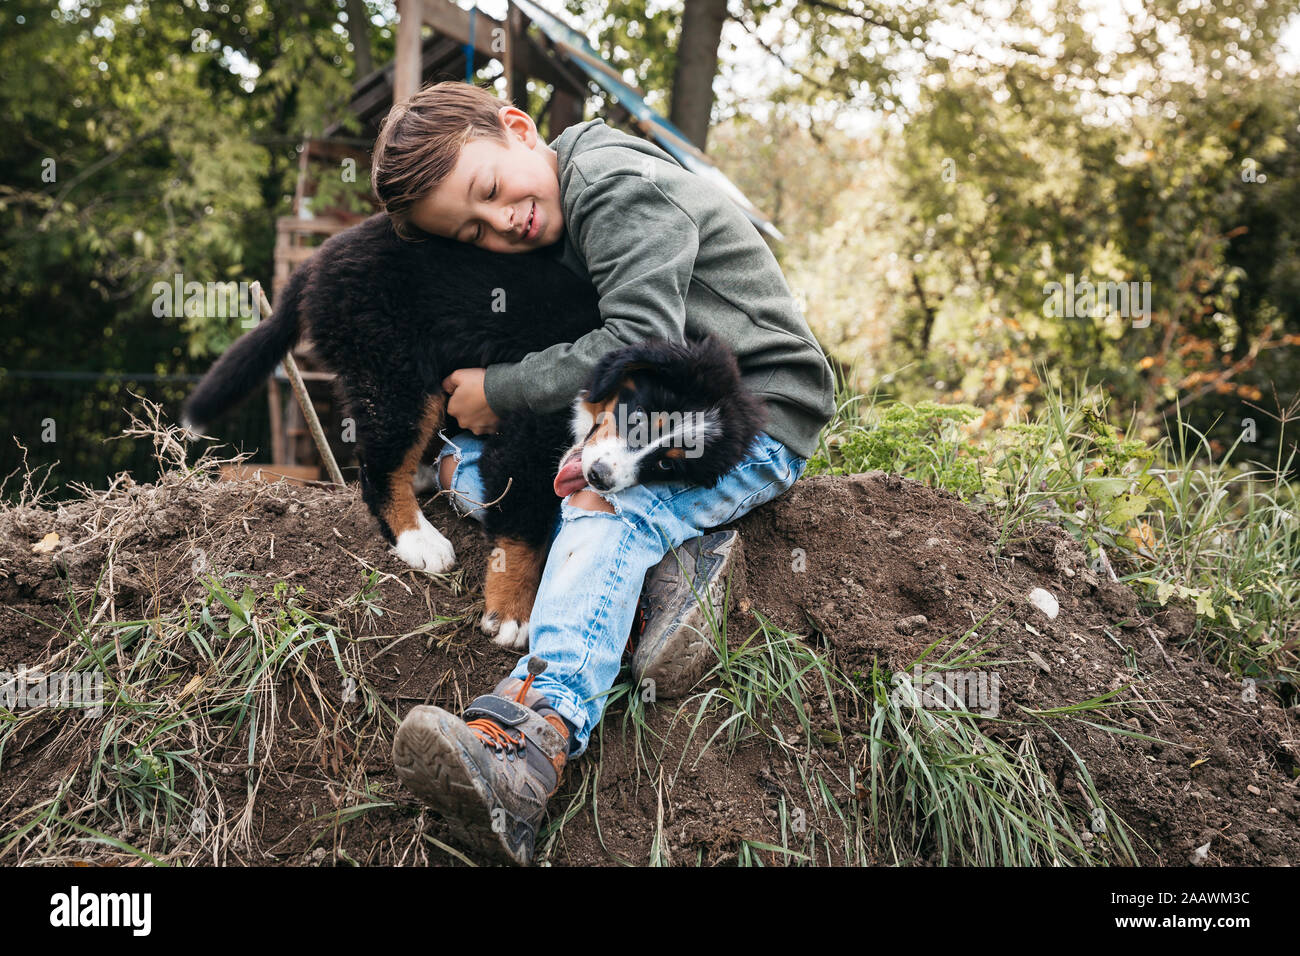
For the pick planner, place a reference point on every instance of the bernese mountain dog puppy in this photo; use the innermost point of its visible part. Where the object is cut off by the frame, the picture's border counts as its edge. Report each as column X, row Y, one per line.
column 393, row 318
column 654, row 411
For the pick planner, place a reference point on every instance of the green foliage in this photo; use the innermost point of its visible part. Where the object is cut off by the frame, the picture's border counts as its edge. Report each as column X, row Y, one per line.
column 924, row 441
column 154, row 139
column 334, row 192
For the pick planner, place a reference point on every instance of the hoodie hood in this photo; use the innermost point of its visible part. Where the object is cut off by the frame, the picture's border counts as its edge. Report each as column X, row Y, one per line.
column 596, row 134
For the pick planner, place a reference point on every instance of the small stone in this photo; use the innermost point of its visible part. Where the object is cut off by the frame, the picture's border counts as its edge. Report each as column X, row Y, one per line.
column 1251, row 788
column 1200, row 854
column 910, row 625
column 1044, row 601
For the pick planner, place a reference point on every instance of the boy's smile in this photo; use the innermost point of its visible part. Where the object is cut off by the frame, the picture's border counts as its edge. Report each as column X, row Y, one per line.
column 500, row 198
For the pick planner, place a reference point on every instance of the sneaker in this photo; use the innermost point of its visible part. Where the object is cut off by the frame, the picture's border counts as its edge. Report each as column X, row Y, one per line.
column 674, row 650
column 490, row 771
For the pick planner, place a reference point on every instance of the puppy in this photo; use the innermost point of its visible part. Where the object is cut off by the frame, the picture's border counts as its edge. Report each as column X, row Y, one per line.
column 651, row 412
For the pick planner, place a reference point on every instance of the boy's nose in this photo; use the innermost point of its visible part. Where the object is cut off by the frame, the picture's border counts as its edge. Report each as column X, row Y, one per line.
column 507, row 223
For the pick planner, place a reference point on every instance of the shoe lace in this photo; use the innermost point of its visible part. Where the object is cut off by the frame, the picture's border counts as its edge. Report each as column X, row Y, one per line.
column 493, row 734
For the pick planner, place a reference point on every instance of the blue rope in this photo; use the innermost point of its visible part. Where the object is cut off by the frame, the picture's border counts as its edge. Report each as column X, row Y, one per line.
column 469, row 47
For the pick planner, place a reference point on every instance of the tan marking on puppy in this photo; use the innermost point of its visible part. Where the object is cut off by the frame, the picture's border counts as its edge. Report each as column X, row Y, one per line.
column 509, row 589
column 675, row 452
column 402, row 511
column 605, row 419
column 417, row 542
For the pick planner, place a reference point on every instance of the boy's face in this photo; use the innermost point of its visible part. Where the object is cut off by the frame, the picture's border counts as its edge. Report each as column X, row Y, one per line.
column 494, row 190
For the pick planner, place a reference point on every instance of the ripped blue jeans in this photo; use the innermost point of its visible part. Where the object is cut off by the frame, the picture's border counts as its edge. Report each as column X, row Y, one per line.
column 597, row 564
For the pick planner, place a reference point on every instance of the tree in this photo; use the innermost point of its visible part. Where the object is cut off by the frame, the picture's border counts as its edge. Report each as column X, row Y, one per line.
column 697, row 65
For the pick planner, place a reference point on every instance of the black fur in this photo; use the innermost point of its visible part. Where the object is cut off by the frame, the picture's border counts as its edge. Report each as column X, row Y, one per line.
column 392, row 319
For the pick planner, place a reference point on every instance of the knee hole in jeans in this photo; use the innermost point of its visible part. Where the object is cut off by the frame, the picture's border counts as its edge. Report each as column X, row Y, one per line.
column 590, row 501
column 447, row 471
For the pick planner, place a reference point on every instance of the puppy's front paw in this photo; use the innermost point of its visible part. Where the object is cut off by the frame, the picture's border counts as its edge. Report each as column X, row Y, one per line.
column 425, row 549
column 511, row 634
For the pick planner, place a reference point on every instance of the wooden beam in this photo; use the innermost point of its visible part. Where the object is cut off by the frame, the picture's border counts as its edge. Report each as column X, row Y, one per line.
column 406, row 75
column 516, row 58
column 450, row 20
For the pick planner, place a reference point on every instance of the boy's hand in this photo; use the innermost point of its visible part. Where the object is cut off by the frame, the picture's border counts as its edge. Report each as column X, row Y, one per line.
column 468, row 403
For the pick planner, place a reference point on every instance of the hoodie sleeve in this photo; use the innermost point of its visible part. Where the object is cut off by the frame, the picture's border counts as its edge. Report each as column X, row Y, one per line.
column 640, row 249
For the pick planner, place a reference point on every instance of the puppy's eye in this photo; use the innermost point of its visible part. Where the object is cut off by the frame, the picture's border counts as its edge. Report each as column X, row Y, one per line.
column 665, row 465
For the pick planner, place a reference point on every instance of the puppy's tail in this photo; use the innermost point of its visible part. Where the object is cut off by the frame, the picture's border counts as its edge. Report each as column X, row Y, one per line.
column 248, row 362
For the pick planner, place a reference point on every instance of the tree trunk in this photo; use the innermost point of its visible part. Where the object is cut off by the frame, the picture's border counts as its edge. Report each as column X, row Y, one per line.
column 927, row 324
column 697, row 64
column 359, row 34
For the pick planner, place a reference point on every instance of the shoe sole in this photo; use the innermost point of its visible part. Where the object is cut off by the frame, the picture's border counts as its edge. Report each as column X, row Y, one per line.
column 681, row 652
column 429, row 754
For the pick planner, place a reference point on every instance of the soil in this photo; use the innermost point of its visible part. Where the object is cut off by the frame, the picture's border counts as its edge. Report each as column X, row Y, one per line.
column 869, row 569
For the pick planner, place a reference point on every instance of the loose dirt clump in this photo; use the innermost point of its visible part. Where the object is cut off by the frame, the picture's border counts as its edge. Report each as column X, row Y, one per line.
column 868, row 570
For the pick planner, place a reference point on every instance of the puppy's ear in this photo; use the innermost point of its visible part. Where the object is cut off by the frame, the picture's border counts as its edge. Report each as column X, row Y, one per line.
column 713, row 364
column 617, row 365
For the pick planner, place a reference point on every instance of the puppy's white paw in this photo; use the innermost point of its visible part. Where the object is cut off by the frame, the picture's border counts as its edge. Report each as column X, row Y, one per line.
column 513, row 636
column 490, row 624
column 425, row 549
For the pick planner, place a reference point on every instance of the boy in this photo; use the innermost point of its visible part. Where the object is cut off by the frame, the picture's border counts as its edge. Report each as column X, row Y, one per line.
column 668, row 254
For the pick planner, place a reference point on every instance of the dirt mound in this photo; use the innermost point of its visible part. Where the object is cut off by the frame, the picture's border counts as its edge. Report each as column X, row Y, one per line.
column 869, row 570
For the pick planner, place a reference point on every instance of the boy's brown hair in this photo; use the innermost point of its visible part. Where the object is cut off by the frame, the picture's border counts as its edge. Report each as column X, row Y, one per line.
column 420, row 141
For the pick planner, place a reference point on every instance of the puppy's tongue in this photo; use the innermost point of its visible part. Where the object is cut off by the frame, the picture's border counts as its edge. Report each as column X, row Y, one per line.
column 570, row 478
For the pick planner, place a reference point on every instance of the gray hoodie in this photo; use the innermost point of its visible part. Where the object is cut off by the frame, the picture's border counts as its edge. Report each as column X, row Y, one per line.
column 670, row 254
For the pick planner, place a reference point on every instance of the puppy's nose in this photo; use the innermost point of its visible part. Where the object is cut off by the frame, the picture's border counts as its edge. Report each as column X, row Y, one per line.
column 600, row 476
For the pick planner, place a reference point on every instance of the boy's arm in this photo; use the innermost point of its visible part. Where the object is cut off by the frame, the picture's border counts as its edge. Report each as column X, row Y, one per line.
column 640, row 250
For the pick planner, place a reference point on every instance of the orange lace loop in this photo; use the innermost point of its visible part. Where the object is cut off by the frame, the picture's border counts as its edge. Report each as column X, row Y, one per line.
column 493, row 735
column 523, row 691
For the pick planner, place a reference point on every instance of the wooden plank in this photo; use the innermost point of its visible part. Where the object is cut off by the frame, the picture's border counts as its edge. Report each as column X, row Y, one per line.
column 318, row 226
column 450, row 20
column 406, row 75
column 565, row 111
column 516, row 56
column 293, row 474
